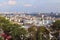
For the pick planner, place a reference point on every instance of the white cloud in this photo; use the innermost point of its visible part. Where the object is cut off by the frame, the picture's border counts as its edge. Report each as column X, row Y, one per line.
column 27, row 5
column 11, row 2
column 3, row 3
column 0, row 4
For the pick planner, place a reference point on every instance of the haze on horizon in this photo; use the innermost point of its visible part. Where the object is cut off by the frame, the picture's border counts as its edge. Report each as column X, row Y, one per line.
column 29, row 5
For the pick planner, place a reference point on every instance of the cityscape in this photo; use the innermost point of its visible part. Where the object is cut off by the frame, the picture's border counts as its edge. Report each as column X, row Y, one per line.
column 30, row 20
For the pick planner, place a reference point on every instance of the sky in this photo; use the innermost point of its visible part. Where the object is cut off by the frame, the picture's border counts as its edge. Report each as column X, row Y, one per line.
column 29, row 5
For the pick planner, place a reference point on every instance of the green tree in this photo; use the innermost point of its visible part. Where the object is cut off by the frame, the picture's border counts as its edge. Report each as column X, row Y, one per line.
column 42, row 33
column 17, row 31
column 56, row 28
column 13, row 30
column 32, row 32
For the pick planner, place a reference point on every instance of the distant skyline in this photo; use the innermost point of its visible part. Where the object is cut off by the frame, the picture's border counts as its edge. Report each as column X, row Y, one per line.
column 30, row 6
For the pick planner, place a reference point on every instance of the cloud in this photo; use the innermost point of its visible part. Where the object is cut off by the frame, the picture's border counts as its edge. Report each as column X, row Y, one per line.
column 0, row 4
column 3, row 3
column 27, row 5
column 11, row 2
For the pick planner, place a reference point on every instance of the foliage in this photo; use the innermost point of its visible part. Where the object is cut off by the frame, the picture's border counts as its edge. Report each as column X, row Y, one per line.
column 32, row 32
column 56, row 25
column 42, row 33
column 56, row 29
column 10, row 29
